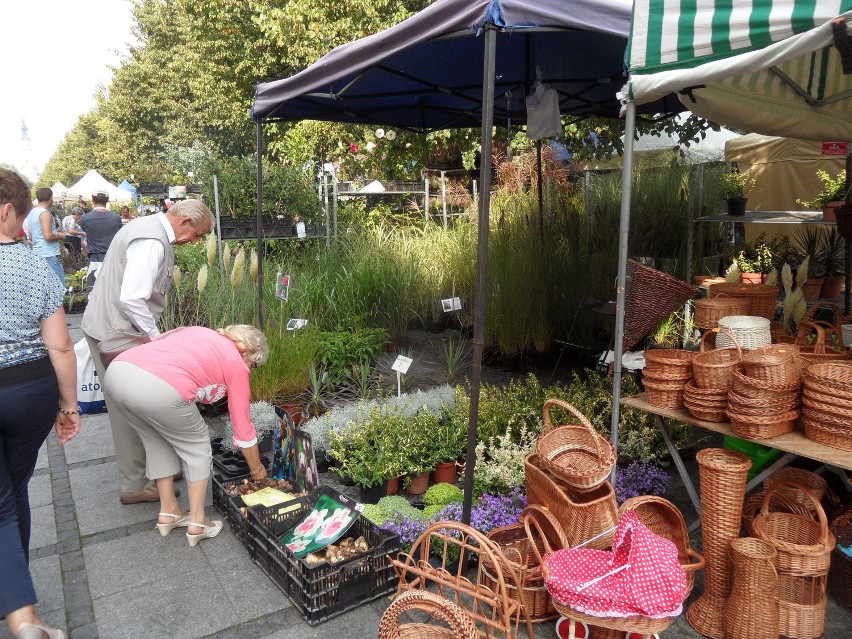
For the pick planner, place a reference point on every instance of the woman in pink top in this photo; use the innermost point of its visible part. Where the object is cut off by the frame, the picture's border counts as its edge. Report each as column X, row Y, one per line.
column 157, row 386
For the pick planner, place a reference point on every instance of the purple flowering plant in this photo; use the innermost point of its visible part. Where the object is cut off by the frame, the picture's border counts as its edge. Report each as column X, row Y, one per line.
column 640, row 478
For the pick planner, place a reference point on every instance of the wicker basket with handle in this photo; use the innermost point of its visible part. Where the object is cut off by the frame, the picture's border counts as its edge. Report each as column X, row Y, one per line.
column 819, row 352
column 773, row 363
column 709, row 311
column 523, row 543
column 760, row 389
column 459, row 624
column 576, row 453
column 715, row 368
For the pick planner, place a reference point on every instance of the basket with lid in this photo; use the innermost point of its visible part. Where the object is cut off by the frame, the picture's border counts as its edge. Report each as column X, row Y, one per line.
column 749, row 331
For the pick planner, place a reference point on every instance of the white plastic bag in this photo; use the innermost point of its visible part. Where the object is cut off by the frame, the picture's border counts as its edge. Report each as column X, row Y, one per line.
column 543, row 113
column 89, row 393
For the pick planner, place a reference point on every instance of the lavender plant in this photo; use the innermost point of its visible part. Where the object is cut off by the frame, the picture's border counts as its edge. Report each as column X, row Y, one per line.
column 640, row 478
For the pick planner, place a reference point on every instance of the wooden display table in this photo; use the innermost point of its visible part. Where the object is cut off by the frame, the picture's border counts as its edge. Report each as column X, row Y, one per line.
column 794, row 444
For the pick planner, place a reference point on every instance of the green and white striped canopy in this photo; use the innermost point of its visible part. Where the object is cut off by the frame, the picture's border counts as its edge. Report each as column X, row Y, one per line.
column 768, row 66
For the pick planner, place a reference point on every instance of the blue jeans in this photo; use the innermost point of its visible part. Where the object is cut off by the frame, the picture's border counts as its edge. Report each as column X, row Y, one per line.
column 27, row 413
column 55, row 263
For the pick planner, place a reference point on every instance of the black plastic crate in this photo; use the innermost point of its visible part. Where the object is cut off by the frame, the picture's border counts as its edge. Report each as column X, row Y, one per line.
column 325, row 591
column 229, row 506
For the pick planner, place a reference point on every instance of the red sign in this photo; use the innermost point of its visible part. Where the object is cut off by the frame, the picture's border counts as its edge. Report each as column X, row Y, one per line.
column 834, row 148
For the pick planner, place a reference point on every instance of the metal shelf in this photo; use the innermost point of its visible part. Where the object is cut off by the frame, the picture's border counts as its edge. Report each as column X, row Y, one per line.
column 770, row 217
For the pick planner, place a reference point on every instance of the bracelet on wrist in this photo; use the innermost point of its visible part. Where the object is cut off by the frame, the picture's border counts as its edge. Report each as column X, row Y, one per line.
column 69, row 412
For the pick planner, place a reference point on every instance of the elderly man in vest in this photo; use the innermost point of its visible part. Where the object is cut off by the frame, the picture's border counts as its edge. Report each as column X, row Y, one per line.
column 124, row 306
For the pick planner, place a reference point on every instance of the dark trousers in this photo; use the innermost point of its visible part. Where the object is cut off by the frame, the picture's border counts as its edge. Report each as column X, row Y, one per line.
column 27, row 413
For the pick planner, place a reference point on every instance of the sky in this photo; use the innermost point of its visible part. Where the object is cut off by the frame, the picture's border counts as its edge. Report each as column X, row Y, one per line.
column 55, row 55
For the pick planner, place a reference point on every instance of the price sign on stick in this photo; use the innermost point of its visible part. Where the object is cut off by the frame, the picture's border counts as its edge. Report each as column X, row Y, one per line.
column 401, row 367
column 451, row 304
column 282, row 286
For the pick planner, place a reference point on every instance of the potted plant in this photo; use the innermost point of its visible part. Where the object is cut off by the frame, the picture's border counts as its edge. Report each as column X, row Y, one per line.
column 736, row 185
column 416, row 450
column 754, row 261
column 811, row 273
column 832, row 256
column 448, row 444
column 832, row 194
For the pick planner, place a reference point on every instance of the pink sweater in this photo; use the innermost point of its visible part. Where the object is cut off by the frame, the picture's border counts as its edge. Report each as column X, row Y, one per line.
column 202, row 366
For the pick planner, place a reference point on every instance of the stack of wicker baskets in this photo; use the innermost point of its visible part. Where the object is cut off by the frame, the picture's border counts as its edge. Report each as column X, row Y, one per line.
column 762, row 299
column 827, row 400
column 709, row 311
column 764, row 399
column 666, row 372
column 804, row 548
column 706, row 396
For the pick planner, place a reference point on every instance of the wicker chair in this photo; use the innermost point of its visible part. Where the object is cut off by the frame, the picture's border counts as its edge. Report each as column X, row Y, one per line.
column 459, row 624
column 485, row 598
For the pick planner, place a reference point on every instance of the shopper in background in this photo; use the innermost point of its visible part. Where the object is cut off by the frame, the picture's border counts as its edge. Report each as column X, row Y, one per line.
column 100, row 225
column 44, row 232
column 38, row 391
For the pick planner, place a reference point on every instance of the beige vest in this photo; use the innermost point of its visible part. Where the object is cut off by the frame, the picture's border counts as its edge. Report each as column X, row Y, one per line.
column 103, row 316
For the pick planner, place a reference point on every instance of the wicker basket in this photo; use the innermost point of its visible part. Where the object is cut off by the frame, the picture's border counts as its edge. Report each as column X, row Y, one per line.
column 749, row 331
column 801, row 606
column 804, row 546
column 582, row 514
column 762, row 298
column 817, row 313
column 707, row 404
column 664, row 395
column 537, row 534
column 714, row 369
column 777, row 502
column 668, row 363
column 651, row 296
column 818, row 353
column 764, row 426
column 773, row 363
column 760, row 389
column 819, row 430
column 709, row 311
column 836, row 376
column 801, row 477
column 747, row 615
column 663, row 518
column 459, row 624
column 576, row 453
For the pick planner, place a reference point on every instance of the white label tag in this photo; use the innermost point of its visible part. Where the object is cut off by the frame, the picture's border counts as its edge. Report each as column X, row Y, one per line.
column 451, row 304
column 282, row 286
column 293, row 324
column 401, row 364
column 300, row 230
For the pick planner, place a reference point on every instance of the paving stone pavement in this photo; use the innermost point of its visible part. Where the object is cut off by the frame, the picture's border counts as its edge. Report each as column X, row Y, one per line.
column 102, row 570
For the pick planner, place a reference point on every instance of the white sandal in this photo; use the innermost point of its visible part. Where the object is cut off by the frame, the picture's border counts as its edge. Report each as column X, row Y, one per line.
column 180, row 521
column 209, row 532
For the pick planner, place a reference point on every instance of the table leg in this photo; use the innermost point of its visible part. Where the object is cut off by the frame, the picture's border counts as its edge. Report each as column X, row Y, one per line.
column 687, row 480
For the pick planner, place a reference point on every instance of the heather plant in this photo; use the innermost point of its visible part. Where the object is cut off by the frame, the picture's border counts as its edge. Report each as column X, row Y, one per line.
column 640, row 478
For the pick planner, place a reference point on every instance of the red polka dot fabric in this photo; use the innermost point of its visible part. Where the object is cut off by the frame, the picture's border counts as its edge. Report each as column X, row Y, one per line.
column 651, row 582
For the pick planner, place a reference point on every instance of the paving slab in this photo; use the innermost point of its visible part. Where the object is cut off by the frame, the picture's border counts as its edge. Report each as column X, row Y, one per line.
column 93, row 442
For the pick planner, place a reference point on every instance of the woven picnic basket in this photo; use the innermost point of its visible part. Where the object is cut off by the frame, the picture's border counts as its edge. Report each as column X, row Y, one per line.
column 777, row 502
column 459, row 624
column 663, row 518
column 804, row 546
column 576, row 453
column 710, row 310
column 773, row 363
column 651, row 296
column 762, row 298
column 537, row 534
column 582, row 514
column 819, row 352
column 749, row 331
column 714, row 368
column 829, row 315
column 801, row 477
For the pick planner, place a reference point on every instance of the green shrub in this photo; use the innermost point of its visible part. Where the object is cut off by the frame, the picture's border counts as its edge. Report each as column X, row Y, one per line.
column 430, row 511
column 373, row 513
column 397, row 504
column 442, row 494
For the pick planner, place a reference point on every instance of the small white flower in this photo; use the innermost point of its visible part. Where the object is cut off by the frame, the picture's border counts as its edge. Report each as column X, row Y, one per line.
column 380, row 133
column 391, row 135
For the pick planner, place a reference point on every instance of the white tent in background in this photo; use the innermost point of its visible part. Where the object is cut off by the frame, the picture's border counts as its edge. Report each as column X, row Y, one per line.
column 59, row 190
column 93, row 182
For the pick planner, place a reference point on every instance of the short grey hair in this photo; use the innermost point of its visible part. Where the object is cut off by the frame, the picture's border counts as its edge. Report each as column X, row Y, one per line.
column 249, row 340
column 195, row 210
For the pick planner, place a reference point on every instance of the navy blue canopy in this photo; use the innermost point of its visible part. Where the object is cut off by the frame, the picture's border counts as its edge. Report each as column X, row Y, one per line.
column 426, row 73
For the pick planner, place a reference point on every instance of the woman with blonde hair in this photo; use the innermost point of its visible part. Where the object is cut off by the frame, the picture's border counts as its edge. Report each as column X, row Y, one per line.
column 157, row 386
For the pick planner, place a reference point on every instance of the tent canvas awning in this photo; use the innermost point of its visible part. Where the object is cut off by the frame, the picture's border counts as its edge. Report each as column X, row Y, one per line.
column 774, row 58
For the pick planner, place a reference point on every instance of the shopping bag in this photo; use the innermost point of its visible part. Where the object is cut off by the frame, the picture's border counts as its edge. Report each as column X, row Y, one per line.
column 543, row 119
column 90, row 396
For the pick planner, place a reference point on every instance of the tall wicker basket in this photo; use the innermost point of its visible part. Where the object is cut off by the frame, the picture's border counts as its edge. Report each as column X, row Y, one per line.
column 747, row 612
column 722, row 475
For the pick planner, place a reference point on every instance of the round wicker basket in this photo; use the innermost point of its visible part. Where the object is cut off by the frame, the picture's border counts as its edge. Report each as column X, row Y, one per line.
column 749, row 332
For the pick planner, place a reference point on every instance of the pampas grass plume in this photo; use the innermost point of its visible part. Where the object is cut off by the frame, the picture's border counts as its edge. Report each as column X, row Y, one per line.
column 176, row 276
column 239, row 267
column 202, row 278
column 253, row 266
column 226, row 256
column 211, row 249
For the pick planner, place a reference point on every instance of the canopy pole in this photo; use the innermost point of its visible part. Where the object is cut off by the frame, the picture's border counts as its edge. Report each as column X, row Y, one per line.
column 621, row 285
column 259, row 210
column 218, row 225
column 481, row 261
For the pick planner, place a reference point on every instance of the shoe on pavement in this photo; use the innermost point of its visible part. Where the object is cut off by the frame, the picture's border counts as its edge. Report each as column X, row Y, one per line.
column 150, row 494
column 39, row 631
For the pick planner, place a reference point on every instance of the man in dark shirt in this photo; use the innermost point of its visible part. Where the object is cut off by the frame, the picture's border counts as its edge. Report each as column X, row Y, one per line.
column 100, row 225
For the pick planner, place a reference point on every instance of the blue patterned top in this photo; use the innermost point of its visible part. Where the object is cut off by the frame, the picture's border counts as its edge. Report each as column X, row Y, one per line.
column 29, row 292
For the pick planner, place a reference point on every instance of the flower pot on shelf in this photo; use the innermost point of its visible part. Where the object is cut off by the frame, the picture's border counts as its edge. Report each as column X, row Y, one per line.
column 829, row 210
column 418, row 484
column 445, row 473
column 752, row 278
column 736, row 205
column 393, row 486
column 831, row 286
column 812, row 287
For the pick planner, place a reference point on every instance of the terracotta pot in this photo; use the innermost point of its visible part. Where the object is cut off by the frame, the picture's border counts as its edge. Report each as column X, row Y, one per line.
column 393, row 486
column 829, row 211
column 445, row 473
column 831, row 286
column 418, row 485
column 752, row 278
column 812, row 287
column 295, row 411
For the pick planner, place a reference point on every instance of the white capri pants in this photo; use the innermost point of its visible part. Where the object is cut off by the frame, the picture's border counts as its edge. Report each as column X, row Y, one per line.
column 171, row 429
